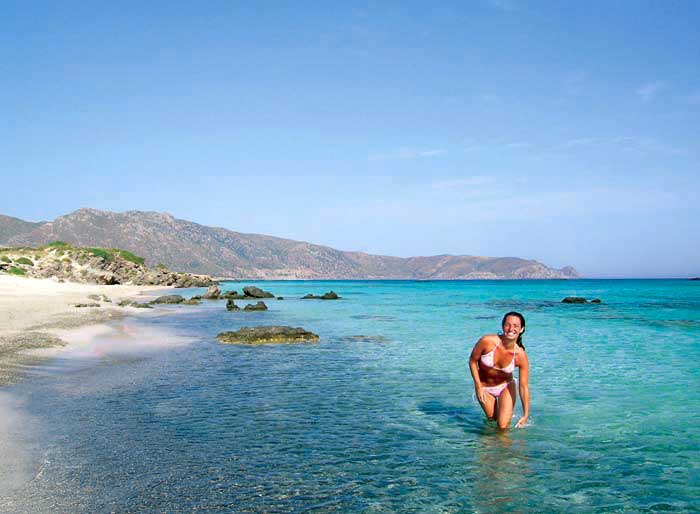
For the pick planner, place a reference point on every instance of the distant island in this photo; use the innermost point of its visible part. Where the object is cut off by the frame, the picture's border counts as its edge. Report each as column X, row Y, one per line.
column 193, row 248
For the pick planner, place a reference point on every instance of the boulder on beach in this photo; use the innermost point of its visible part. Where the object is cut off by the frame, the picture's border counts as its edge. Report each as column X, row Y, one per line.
column 267, row 335
column 330, row 295
column 169, row 298
column 213, row 293
column 231, row 305
column 99, row 298
column 574, row 299
column 132, row 303
column 256, row 292
column 259, row 306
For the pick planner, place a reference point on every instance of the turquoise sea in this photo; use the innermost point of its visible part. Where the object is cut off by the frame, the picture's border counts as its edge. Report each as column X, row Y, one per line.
column 379, row 416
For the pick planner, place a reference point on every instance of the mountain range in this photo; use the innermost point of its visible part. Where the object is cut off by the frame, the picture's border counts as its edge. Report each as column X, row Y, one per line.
column 187, row 246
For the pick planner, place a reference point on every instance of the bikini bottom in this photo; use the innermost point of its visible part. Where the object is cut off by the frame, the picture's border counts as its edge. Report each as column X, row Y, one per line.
column 497, row 389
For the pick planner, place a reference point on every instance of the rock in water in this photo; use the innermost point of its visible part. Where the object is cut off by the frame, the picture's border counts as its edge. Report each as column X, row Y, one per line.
column 255, row 292
column 259, row 306
column 231, row 305
column 330, row 295
column 574, row 299
column 213, row 293
column 170, row 298
column 266, row 335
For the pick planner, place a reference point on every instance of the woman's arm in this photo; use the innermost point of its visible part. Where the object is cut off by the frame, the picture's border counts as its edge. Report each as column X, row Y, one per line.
column 524, row 379
column 474, row 368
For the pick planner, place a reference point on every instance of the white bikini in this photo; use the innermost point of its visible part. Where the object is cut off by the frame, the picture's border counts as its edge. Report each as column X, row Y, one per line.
column 487, row 360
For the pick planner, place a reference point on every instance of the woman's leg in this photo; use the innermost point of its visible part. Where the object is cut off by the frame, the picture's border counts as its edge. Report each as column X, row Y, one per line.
column 506, row 404
column 490, row 406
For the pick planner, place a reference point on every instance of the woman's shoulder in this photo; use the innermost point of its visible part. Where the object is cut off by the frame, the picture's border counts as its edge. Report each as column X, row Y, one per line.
column 490, row 339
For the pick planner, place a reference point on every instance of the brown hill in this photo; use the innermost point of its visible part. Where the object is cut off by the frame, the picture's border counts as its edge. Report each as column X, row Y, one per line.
column 186, row 246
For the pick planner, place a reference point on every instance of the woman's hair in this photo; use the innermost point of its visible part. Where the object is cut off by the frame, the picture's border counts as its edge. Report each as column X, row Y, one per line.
column 522, row 324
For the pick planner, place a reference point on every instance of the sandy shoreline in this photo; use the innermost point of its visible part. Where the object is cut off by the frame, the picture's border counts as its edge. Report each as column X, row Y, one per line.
column 34, row 314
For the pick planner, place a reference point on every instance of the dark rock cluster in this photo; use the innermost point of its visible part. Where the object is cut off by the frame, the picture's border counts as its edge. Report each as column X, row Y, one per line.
column 330, row 295
column 579, row 299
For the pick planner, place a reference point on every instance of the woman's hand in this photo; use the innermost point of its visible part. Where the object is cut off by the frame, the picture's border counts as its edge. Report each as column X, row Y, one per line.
column 480, row 393
column 521, row 422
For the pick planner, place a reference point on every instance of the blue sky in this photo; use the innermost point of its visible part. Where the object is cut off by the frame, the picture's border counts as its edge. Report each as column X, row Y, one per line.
column 563, row 133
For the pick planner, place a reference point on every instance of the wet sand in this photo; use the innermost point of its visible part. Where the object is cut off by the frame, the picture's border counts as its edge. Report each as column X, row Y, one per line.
column 35, row 313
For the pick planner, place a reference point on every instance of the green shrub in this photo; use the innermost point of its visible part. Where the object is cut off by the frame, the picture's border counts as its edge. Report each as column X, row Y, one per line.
column 5, row 258
column 160, row 265
column 37, row 257
column 101, row 252
column 127, row 255
column 16, row 271
column 24, row 260
column 58, row 243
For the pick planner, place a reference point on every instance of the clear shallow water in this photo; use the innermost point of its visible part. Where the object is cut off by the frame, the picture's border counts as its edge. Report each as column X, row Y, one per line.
column 379, row 416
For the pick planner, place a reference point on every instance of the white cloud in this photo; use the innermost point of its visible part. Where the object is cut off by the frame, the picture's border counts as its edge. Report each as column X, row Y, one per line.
column 581, row 141
column 407, row 154
column 647, row 92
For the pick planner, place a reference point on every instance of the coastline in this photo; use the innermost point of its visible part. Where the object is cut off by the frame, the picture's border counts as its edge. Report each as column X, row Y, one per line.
column 39, row 316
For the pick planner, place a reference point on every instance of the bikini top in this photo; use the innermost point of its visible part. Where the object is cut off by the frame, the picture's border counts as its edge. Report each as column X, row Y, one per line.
column 487, row 360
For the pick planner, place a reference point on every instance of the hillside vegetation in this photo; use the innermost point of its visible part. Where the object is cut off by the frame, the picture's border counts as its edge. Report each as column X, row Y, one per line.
column 65, row 262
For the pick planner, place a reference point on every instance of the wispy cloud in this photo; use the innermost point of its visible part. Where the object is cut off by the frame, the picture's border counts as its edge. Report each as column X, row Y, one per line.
column 621, row 143
column 647, row 92
column 476, row 180
column 407, row 154
column 581, row 141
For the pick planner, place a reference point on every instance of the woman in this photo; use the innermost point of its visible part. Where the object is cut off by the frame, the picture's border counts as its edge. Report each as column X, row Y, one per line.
column 492, row 363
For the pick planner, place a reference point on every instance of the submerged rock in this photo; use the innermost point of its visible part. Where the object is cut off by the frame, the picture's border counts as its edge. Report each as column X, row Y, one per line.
column 364, row 339
column 596, row 300
column 574, row 299
column 169, row 298
column 259, row 306
column 256, row 292
column 192, row 301
column 266, row 335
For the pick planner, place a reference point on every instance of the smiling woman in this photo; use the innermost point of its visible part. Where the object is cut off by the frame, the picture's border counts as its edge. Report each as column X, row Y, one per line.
column 492, row 363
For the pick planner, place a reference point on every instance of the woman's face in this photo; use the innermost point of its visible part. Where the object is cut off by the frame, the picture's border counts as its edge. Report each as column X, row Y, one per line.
column 512, row 327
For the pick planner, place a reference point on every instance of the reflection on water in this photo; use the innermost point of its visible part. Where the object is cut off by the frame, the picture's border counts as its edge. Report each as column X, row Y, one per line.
column 503, row 475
